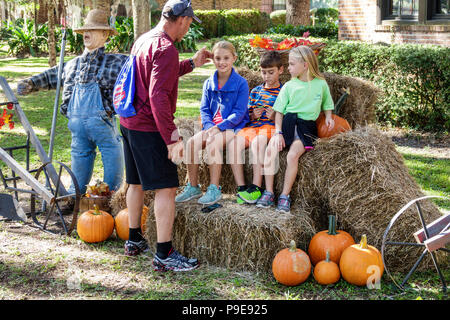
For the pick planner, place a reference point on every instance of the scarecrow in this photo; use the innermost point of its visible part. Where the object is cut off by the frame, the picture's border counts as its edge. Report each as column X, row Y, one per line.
column 88, row 82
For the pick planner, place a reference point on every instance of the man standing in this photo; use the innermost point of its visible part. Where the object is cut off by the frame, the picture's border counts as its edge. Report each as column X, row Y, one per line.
column 152, row 144
column 88, row 82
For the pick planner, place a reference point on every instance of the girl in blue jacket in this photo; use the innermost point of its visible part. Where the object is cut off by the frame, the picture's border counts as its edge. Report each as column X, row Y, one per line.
column 224, row 112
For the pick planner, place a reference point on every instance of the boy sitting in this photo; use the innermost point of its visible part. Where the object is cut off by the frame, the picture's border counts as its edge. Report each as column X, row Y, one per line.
column 260, row 129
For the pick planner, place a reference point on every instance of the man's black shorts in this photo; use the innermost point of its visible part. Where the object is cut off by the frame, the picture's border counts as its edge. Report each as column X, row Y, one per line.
column 146, row 161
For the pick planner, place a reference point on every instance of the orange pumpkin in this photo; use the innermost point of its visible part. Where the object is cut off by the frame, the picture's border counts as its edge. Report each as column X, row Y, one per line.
column 291, row 266
column 361, row 261
column 95, row 225
column 329, row 240
column 122, row 226
column 327, row 271
column 340, row 125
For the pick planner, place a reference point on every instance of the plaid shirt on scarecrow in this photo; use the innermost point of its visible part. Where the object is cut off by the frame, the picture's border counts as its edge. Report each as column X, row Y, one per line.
column 89, row 64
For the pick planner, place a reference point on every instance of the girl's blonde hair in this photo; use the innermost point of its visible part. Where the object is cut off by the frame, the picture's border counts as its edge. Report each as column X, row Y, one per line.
column 225, row 45
column 306, row 54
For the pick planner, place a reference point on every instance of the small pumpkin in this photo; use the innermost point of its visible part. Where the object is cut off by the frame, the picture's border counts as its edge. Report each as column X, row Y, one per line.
column 95, row 225
column 329, row 240
column 361, row 261
column 291, row 266
column 340, row 125
column 122, row 226
column 327, row 271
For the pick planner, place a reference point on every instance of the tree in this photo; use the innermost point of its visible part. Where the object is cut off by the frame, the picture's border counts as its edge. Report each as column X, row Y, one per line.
column 141, row 21
column 51, row 6
column 297, row 12
column 104, row 5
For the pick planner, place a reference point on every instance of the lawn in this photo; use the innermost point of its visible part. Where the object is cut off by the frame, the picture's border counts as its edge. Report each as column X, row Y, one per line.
column 35, row 265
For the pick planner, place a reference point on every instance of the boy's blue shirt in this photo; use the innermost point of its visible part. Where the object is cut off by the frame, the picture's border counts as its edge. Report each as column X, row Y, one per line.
column 233, row 97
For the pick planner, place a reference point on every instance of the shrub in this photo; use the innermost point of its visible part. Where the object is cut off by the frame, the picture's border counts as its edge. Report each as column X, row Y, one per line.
column 188, row 43
column 415, row 80
column 125, row 38
column 278, row 17
column 326, row 30
column 74, row 41
column 326, row 15
column 218, row 23
column 23, row 41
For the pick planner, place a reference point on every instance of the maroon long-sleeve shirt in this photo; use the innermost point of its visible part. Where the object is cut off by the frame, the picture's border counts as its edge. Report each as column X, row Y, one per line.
column 157, row 71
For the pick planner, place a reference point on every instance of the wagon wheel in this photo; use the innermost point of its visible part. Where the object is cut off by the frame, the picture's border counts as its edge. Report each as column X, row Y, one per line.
column 55, row 217
column 398, row 247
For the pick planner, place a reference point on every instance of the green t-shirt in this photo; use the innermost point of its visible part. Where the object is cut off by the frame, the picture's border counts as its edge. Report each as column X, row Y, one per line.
column 307, row 99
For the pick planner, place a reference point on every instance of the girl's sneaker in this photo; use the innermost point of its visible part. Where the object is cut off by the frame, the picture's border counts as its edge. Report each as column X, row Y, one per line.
column 266, row 200
column 284, row 204
column 189, row 193
column 174, row 262
column 212, row 195
column 251, row 195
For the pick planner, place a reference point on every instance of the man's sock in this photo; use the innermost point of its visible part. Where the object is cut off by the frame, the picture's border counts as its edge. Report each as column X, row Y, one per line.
column 163, row 249
column 253, row 187
column 136, row 234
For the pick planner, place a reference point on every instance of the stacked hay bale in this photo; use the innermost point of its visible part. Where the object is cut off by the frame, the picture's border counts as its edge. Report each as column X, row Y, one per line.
column 234, row 236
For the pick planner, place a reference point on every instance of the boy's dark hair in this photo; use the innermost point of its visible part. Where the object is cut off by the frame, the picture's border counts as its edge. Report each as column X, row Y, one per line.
column 270, row 59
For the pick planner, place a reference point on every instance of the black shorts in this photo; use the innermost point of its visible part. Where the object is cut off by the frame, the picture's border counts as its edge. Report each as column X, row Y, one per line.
column 146, row 161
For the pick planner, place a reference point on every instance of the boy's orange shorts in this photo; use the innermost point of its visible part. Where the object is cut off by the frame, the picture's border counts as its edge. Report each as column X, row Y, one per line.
column 250, row 133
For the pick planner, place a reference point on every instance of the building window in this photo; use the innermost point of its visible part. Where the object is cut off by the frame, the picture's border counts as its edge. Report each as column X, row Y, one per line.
column 439, row 9
column 279, row 5
column 401, row 10
column 415, row 10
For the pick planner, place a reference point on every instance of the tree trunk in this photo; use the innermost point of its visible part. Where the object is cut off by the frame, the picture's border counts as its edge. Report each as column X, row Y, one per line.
column 51, row 33
column 141, row 21
column 297, row 12
column 104, row 5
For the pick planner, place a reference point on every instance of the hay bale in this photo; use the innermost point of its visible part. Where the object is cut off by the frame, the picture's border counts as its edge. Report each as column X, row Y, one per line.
column 361, row 178
column 358, row 108
column 237, row 237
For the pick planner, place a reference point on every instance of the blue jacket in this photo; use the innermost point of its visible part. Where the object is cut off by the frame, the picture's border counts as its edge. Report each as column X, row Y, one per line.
column 232, row 100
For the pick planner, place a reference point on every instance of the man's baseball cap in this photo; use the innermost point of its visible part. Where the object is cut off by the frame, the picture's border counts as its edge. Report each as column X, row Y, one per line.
column 179, row 8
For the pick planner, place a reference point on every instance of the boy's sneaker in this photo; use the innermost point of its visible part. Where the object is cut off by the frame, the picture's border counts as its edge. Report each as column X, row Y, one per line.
column 134, row 248
column 174, row 262
column 212, row 195
column 251, row 195
column 189, row 193
column 239, row 200
column 266, row 200
column 284, row 204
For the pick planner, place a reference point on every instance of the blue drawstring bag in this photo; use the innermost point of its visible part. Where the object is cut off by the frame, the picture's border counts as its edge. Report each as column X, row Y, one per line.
column 124, row 88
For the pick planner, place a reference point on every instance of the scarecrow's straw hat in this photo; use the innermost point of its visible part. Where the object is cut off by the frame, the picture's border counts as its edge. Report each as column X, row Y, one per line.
column 97, row 20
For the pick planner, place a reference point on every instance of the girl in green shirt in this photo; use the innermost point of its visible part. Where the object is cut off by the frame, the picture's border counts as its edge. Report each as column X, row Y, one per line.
column 297, row 107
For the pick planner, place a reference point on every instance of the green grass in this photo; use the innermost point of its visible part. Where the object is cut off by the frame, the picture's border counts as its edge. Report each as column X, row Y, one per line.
column 432, row 174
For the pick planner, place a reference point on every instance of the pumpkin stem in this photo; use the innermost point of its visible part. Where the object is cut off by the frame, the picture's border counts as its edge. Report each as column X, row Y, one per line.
column 363, row 243
column 96, row 210
column 292, row 246
column 332, row 225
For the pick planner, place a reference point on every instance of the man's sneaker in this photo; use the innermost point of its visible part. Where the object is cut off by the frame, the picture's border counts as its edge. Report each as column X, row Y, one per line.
column 174, row 262
column 189, row 193
column 284, row 204
column 266, row 200
column 251, row 195
column 134, row 248
column 212, row 195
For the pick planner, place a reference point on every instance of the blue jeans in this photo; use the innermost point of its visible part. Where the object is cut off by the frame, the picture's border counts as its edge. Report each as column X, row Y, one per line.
column 91, row 128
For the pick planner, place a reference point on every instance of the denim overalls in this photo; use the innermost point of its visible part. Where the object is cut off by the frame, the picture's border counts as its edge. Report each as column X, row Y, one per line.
column 91, row 127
